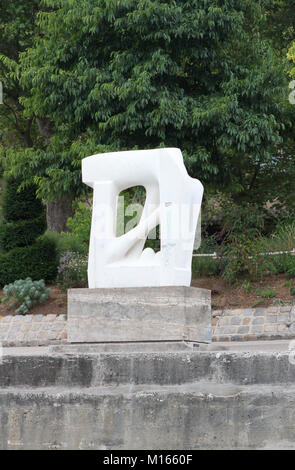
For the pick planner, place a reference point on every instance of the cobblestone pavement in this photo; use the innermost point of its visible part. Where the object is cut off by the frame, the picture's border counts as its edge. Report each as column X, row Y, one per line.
column 254, row 323
column 34, row 330
column 227, row 325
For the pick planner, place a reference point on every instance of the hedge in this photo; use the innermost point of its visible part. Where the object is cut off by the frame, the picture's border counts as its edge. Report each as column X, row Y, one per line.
column 38, row 261
column 21, row 233
column 20, row 205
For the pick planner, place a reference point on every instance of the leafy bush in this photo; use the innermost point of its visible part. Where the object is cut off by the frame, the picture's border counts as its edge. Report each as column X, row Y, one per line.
column 283, row 264
column 290, row 272
column 38, row 261
column 23, row 254
column 22, row 233
column 25, row 294
column 24, row 217
column 242, row 259
column 20, row 205
column 64, row 242
column 80, row 225
column 72, row 270
column 240, row 249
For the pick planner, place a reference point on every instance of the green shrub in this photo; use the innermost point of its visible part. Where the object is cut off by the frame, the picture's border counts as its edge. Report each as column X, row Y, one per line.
column 25, row 294
column 65, row 242
column 284, row 263
column 241, row 246
column 22, row 233
column 280, row 263
column 292, row 290
column 242, row 259
column 23, row 254
column 38, row 261
column 20, row 205
column 80, row 225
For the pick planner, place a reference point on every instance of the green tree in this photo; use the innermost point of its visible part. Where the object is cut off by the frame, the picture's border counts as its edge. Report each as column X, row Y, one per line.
column 279, row 23
column 21, row 130
column 279, row 28
column 17, row 29
column 125, row 74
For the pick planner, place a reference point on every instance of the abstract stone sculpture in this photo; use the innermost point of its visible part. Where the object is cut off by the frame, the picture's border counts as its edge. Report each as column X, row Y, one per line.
column 173, row 201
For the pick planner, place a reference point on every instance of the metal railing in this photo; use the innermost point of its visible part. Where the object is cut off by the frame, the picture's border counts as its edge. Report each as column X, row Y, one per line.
column 270, row 253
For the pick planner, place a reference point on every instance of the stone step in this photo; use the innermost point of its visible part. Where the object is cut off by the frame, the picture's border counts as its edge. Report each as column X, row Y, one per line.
column 89, row 369
column 191, row 416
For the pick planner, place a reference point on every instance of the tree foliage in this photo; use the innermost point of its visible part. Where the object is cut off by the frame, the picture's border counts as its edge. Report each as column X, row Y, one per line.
column 126, row 74
column 17, row 29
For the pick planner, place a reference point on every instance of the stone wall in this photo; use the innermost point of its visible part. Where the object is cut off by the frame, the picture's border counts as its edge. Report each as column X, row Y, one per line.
column 254, row 323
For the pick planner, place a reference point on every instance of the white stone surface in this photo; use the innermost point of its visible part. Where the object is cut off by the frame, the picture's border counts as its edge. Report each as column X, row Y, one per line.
column 173, row 201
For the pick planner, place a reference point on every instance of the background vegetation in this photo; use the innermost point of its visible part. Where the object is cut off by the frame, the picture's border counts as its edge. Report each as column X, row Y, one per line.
column 208, row 76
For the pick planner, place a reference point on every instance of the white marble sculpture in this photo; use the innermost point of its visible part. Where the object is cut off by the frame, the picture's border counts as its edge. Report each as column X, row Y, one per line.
column 173, row 201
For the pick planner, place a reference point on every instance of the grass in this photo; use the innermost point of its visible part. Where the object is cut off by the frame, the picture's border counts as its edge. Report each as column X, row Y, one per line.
column 266, row 293
column 283, row 239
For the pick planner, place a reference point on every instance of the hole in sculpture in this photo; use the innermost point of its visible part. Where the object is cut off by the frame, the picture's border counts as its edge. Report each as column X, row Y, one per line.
column 153, row 240
column 129, row 209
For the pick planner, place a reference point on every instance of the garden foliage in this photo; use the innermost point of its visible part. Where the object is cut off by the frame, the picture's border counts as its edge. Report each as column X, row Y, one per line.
column 22, row 253
column 24, row 294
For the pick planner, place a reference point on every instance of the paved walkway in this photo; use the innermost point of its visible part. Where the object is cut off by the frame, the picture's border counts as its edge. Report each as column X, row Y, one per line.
column 33, row 330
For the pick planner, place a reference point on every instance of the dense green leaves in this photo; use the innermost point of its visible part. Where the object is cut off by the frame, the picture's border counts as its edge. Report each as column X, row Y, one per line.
column 22, row 253
column 17, row 30
column 22, row 233
column 39, row 261
column 141, row 74
column 20, row 205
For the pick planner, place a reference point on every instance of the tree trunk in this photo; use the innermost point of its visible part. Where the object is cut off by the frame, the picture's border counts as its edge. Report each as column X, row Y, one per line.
column 59, row 210
column 46, row 129
column 57, row 214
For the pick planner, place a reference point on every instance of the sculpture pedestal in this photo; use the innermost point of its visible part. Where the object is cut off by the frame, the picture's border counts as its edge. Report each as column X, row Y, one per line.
column 139, row 314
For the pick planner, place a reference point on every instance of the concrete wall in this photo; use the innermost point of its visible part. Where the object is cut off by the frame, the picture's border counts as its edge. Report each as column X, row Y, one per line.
column 184, row 400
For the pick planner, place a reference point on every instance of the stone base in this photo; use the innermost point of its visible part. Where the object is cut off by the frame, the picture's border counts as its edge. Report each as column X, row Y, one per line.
column 139, row 314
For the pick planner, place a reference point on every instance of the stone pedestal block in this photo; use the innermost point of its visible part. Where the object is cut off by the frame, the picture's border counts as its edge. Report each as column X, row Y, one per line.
column 139, row 314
